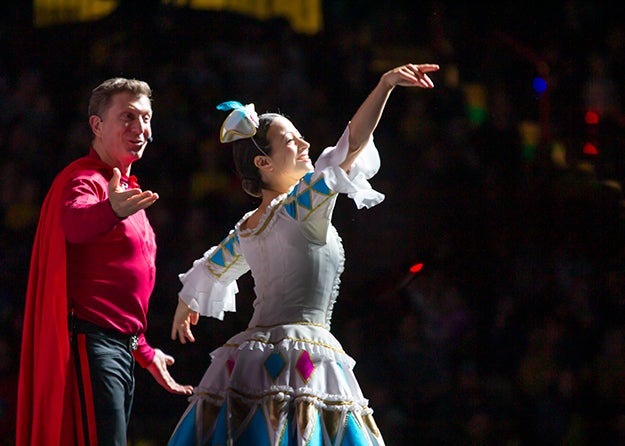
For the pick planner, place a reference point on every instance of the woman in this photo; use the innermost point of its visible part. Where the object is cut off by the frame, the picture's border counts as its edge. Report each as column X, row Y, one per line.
column 286, row 379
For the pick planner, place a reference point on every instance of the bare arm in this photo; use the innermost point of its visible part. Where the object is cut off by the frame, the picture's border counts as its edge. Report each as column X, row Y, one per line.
column 366, row 118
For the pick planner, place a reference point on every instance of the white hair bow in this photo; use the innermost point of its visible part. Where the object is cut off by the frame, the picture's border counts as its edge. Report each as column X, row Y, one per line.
column 241, row 123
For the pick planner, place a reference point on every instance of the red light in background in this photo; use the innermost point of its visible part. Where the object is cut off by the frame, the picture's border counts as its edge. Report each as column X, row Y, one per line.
column 416, row 268
column 591, row 117
column 590, row 149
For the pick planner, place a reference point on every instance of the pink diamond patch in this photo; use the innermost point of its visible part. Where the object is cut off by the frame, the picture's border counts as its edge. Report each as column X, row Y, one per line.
column 230, row 366
column 305, row 366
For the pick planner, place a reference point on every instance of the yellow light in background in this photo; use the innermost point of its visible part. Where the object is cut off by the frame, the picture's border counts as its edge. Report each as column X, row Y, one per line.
column 530, row 138
column 558, row 155
column 57, row 12
column 475, row 95
column 305, row 16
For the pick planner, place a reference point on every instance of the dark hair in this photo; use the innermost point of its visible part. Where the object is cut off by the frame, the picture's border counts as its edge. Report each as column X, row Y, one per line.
column 102, row 94
column 244, row 151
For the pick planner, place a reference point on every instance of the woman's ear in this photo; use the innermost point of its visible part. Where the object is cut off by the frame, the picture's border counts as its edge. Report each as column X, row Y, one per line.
column 262, row 162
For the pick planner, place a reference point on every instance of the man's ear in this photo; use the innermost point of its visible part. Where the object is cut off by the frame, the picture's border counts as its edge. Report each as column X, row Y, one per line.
column 95, row 122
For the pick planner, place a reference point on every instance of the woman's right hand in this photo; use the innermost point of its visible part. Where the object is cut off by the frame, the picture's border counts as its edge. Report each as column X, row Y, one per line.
column 410, row 75
column 184, row 317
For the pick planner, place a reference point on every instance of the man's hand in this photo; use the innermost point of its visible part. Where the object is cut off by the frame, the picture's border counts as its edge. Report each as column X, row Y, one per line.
column 183, row 319
column 127, row 202
column 159, row 371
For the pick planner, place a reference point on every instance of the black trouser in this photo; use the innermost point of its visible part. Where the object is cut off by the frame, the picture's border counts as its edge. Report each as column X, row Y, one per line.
column 105, row 372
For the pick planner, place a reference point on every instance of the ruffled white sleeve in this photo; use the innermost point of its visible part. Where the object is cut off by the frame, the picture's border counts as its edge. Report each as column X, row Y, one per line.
column 355, row 184
column 209, row 286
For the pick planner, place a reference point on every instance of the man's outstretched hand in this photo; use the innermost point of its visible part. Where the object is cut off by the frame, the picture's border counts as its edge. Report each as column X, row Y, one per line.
column 125, row 202
column 159, row 371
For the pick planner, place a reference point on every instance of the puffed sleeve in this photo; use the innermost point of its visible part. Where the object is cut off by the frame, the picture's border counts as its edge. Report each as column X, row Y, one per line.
column 355, row 184
column 209, row 286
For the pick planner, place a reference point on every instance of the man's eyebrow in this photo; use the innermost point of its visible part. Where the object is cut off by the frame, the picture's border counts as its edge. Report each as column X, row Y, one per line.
column 138, row 110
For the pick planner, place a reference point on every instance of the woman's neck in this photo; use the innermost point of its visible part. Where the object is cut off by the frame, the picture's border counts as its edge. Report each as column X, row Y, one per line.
column 268, row 197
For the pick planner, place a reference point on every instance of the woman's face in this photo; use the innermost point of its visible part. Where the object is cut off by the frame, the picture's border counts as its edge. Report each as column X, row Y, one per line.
column 289, row 150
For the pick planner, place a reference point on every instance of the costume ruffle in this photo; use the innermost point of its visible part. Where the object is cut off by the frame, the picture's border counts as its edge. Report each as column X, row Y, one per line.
column 204, row 293
column 355, row 184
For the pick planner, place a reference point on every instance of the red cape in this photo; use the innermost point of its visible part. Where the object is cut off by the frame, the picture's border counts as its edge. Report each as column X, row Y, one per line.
column 46, row 394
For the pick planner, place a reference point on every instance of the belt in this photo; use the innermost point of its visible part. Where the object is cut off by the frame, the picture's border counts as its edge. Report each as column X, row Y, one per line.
column 82, row 326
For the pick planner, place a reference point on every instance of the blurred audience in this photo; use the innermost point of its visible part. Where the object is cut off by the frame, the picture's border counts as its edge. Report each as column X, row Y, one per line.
column 511, row 334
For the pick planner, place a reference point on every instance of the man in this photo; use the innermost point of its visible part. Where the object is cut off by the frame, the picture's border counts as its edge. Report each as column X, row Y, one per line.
column 91, row 276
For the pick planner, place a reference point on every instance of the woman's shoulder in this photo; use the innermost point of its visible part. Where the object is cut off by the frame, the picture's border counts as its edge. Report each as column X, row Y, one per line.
column 242, row 224
column 252, row 220
column 256, row 221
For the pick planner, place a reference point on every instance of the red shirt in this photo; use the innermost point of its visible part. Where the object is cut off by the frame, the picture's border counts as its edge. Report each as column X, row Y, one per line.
column 110, row 261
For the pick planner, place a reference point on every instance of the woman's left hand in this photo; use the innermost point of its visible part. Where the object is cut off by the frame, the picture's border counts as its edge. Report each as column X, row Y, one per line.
column 183, row 319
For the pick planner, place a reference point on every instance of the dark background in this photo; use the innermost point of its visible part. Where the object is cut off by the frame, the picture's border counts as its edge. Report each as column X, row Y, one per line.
column 511, row 334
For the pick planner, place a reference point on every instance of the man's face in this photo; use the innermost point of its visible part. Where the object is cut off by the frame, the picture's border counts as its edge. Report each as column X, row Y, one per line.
column 124, row 130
